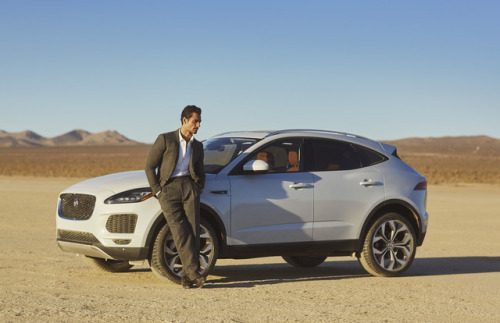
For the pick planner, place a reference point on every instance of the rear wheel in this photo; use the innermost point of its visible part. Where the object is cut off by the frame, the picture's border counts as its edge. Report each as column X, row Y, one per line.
column 389, row 247
column 304, row 261
column 165, row 261
column 110, row 265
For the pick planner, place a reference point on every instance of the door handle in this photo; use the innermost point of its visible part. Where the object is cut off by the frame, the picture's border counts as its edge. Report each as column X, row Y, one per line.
column 369, row 182
column 300, row 185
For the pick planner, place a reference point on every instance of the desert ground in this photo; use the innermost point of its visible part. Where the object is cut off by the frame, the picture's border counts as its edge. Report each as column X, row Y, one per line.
column 454, row 278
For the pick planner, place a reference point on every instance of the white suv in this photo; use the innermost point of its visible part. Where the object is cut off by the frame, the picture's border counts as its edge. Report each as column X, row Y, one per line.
column 302, row 194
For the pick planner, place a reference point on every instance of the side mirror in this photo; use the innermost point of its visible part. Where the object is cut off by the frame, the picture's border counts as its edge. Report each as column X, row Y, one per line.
column 256, row 166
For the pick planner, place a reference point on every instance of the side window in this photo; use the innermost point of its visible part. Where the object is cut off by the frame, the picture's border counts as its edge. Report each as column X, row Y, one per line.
column 369, row 157
column 282, row 156
column 330, row 155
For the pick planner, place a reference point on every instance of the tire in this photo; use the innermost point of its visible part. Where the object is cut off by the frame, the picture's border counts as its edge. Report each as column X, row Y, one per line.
column 389, row 246
column 165, row 262
column 303, row 261
column 110, row 265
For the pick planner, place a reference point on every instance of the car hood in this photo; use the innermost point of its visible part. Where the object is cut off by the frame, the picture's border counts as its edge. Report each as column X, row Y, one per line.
column 115, row 183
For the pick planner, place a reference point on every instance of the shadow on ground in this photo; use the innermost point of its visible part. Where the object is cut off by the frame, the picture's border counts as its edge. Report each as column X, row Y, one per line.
column 244, row 275
column 454, row 266
column 262, row 274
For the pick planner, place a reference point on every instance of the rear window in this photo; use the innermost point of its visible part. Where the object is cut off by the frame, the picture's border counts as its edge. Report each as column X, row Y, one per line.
column 368, row 157
column 333, row 155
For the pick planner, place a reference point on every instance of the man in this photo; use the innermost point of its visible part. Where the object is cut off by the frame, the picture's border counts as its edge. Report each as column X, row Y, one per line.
column 178, row 183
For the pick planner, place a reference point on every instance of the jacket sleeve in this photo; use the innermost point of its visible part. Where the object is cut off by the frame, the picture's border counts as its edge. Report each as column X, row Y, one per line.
column 153, row 162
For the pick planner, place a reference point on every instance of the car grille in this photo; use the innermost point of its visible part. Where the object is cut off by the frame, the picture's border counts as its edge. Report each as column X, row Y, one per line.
column 121, row 223
column 77, row 206
column 76, row 236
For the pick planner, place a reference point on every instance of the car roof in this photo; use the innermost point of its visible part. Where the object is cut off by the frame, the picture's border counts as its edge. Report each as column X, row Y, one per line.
column 261, row 134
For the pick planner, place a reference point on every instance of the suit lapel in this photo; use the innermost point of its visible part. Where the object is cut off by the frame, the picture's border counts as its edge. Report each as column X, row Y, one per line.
column 193, row 151
column 176, row 146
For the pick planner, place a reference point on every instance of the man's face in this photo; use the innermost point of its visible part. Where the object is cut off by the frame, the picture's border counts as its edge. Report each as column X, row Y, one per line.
column 192, row 124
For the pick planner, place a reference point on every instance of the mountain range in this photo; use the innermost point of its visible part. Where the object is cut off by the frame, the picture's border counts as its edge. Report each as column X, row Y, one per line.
column 450, row 145
column 463, row 144
column 72, row 138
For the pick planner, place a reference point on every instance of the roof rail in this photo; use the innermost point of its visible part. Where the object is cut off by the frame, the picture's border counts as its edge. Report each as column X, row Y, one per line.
column 316, row 130
column 249, row 131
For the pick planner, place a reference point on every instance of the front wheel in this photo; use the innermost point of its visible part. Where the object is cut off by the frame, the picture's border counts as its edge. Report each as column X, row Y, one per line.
column 165, row 261
column 110, row 265
column 389, row 246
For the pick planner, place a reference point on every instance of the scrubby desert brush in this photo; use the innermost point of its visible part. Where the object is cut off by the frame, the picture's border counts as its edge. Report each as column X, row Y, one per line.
column 90, row 161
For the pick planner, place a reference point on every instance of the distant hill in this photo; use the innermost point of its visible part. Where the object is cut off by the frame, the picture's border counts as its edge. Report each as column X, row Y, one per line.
column 472, row 159
column 483, row 145
column 73, row 138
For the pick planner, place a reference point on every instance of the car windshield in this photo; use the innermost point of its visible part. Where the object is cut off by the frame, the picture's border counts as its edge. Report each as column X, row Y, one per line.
column 221, row 151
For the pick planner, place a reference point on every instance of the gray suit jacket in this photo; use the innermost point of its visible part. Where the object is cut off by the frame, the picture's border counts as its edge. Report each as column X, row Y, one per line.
column 163, row 156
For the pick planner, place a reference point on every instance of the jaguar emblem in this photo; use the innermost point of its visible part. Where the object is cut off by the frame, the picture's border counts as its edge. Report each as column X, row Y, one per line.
column 75, row 202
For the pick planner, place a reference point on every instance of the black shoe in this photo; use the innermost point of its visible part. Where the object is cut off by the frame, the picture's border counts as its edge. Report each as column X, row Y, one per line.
column 186, row 283
column 199, row 282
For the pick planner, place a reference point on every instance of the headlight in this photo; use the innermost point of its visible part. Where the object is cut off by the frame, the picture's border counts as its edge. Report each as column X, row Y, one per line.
column 132, row 196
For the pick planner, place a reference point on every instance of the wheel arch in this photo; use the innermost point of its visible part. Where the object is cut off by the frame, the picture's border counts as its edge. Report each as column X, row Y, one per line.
column 153, row 232
column 205, row 213
column 398, row 206
column 215, row 221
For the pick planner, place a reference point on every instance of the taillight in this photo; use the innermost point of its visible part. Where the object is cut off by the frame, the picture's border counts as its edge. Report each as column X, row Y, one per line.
column 421, row 186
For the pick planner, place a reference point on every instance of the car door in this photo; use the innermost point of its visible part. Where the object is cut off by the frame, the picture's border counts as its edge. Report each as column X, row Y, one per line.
column 274, row 207
column 346, row 187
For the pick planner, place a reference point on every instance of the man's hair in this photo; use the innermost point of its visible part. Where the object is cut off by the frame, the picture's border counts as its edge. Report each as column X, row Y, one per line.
column 189, row 110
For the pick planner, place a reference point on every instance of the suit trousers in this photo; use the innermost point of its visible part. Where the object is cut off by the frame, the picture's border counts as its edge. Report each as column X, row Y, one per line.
column 180, row 203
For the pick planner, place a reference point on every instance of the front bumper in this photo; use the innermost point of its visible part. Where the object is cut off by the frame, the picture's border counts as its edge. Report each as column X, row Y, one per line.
column 97, row 250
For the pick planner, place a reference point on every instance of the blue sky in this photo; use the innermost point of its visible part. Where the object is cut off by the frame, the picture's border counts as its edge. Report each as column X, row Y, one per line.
column 381, row 69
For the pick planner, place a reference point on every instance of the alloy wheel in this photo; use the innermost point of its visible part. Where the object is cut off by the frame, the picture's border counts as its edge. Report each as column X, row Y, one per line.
column 392, row 245
column 173, row 260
